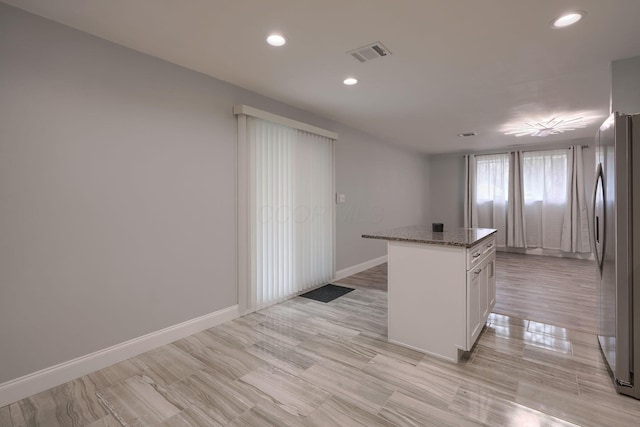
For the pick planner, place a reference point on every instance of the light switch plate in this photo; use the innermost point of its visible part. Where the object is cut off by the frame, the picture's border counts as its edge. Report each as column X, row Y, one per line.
column 340, row 198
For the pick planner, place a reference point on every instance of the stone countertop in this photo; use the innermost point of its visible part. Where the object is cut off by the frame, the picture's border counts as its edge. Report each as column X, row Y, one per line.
column 463, row 237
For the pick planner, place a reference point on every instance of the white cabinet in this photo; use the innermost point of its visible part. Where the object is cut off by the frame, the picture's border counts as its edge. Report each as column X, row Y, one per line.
column 491, row 282
column 440, row 295
column 474, row 297
column 481, row 295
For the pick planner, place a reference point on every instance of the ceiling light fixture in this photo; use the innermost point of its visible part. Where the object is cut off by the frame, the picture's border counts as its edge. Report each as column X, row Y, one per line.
column 350, row 81
column 276, row 40
column 567, row 19
column 548, row 126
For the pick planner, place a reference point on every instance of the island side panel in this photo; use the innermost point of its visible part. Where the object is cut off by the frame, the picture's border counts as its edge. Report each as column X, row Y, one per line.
column 427, row 297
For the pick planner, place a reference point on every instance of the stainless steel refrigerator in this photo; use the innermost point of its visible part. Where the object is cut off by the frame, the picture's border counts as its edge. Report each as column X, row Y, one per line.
column 616, row 246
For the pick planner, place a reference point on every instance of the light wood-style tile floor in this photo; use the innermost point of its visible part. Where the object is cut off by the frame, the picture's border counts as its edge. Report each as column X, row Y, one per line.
column 305, row 363
column 559, row 291
column 373, row 278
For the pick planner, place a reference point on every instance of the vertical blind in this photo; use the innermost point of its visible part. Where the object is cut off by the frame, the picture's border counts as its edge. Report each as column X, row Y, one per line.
column 290, row 211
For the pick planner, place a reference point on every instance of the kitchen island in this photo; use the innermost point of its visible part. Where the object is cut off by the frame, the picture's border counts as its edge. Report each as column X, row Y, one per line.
column 441, row 287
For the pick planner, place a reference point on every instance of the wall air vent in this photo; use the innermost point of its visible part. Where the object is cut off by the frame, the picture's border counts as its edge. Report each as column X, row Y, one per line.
column 369, row 52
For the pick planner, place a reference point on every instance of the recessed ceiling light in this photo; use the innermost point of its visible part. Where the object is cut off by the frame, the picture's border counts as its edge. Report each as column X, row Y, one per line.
column 350, row 81
column 567, row 19
column 465, row 134
column 276, row 39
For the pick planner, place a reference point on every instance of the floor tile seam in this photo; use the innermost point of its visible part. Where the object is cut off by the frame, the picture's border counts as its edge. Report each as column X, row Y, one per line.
column 562, row 355
column 531, row 320
column 592, row 347
column 578, row 382
column 566, row 377
column 242, row 414
column 547, row 335
column 111, row 409
column 68, row 397
column 200, row 396
column 392, row 356
column 274, row 401
column 563, row 367
column 350, row 367
column 401, row 389
column 508, row 360
column 612, row 407
column 541, row 368
column 165, row 393
column 333, row 395
column 378, row 413
column 515, row 352
column 276, row 342
column 461, row 414
column 123, row 380
column 510, row 399
column 549, row 348
column 547, row 410
column 263, row 395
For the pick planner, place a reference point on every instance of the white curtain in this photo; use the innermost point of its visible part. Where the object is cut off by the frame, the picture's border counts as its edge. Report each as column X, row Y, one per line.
column 492, row 193
column 515, row 213
column 470, row 207
column 290, row 211
column 545, row 197
column 575, row 226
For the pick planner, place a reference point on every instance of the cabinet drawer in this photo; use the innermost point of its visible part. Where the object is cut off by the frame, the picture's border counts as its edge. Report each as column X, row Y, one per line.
column 476, row 253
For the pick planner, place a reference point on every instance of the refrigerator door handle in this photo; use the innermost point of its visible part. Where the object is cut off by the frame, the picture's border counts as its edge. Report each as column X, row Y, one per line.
column 598, row 238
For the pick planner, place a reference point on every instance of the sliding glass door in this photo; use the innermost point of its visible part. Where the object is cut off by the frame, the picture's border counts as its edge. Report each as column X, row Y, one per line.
column 291, row 211
column 286, row 215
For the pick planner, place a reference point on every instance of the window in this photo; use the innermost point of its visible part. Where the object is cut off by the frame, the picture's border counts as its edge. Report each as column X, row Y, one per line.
column 545, row 197
column 535, row 199
column 492, row 193
column 492, row 172
column 545, row 177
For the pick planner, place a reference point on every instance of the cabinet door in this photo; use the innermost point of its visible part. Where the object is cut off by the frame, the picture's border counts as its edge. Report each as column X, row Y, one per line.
column 475, row 320
column 491, row 281
column 484, row 290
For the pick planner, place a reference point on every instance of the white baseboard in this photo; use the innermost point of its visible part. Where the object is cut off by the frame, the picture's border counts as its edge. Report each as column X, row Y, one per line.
column 19, row 388
column 354, row 269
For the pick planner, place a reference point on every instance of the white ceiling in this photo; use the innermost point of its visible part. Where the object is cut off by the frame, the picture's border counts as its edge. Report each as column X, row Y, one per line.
column 457, row 65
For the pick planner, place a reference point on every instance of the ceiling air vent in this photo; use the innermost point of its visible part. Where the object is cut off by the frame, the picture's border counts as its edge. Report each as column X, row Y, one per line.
column 369, row 52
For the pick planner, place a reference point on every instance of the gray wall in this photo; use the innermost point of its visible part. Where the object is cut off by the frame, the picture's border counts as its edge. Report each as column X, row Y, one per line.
column 446, row 189
column 384, row 188
column 446, row 180
column 117, row 192
column 625, row 85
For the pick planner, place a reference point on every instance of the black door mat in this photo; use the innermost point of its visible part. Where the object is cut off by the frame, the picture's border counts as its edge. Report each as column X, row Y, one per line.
column 327, row 293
